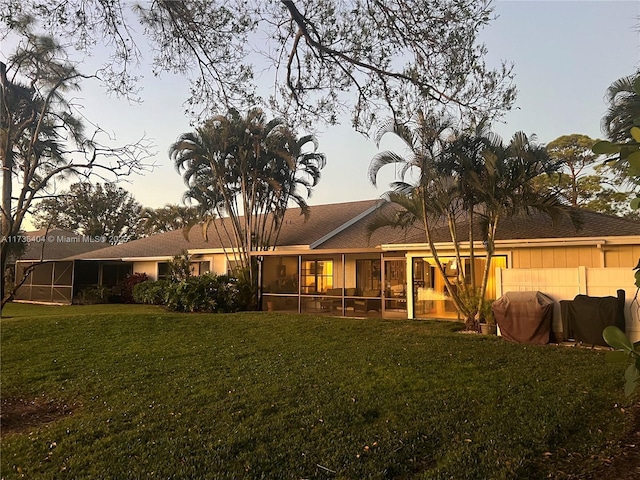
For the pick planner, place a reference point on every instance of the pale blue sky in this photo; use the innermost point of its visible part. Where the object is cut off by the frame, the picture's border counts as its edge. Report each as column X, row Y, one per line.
column 566, row 54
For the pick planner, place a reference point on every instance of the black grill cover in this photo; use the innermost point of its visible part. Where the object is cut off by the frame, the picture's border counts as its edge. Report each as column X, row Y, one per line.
column 584, row 318
column 524, row 317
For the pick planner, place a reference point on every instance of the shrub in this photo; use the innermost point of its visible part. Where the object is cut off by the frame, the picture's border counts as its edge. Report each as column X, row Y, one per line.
column 180, row 267
column 486, row 312
column 128, row 285
column 206, row 293
column 150, row 292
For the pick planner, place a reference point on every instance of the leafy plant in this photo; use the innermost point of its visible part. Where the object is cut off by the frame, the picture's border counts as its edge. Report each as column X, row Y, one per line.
column 626, row 352
column 473, row 299
column 128, row 285
column 150, row 292
column 206, row 293
column 180, row 267
column 623, row 125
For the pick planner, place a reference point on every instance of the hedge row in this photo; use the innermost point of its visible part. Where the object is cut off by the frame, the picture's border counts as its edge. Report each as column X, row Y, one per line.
column 206, row 293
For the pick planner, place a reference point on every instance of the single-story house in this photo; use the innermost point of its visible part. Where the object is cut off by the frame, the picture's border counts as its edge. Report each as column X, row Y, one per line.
column 331, row 264
column 54, row 279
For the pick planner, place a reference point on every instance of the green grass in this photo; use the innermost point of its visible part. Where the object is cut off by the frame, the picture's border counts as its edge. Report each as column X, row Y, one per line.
column 261, row 395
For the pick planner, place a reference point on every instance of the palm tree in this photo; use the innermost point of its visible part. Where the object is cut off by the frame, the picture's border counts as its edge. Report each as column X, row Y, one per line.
column 623, row 98
column 432, row 197
column 506, row 188
column 465, row 160
column 469, row 175
column 624, row 109
column 247, row 169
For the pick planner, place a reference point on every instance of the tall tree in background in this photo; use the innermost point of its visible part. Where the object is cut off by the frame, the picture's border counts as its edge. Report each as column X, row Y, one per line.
column 168, row 218
column 327, row 58
column 584, row 180
column 42, row 137
column 95, row 210
column 574, row 155
column 247, row 169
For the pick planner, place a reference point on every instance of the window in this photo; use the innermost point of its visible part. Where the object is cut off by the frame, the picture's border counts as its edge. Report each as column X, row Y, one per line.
column 395, row 278
column 196, row 268
column 368, row 275
column 280, row 274
column 317, row 276
column 114, row 274
column 163, row 270
column 200, row 268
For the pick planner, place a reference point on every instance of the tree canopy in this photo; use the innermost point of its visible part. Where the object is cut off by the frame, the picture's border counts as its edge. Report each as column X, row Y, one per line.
column 389, row 55
column 621, row 125
column 168, row 218
column 464, row 181
column 44, row 138
column 96, row 210
column 248, row 169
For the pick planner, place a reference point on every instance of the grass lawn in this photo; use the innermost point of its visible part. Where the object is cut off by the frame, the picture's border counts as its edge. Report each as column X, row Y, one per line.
column 153, row 394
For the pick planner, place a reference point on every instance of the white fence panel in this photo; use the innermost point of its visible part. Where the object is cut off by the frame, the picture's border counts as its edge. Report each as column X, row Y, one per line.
column 565, row 283
column 602, row 282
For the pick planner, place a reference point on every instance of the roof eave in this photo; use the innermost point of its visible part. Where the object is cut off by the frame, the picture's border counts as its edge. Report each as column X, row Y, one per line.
column 525, row 243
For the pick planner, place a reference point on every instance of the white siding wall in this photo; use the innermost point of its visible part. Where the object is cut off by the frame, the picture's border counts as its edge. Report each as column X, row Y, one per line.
column 566, row 283
column 219, row 264
column 150, row 268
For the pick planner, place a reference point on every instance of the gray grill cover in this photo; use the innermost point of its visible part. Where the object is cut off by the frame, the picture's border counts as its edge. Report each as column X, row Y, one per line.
column 524, row 317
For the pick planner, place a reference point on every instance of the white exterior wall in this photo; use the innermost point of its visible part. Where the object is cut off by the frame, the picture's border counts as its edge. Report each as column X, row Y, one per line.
column 150, row 268
column 219, row 264
column 566, row 283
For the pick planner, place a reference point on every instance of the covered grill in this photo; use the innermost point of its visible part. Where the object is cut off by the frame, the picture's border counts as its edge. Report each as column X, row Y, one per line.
column 584, row 318
column 524, row 317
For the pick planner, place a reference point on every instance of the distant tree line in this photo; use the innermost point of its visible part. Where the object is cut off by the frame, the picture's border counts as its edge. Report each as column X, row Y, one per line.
column 108, row 210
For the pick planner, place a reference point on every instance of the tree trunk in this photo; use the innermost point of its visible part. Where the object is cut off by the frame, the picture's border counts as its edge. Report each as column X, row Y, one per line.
column 472, row 253
column 487, row 267
column 3, row 261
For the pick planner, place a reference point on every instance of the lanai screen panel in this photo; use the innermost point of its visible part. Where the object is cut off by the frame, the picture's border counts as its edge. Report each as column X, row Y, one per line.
column 86, row 273
column 50, row 282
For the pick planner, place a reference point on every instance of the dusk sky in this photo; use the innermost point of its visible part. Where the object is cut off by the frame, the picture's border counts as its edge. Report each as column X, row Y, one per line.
column 566, row 54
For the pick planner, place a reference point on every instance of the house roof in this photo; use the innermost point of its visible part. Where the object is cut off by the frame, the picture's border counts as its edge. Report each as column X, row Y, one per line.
column 344, row 226
column 536, row 226
column 296, row 231
column 57, row 244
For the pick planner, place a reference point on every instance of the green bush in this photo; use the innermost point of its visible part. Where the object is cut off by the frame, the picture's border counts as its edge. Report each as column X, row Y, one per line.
column 470, row 299
column 150, row 292
column 128, row 285
column 206, row 293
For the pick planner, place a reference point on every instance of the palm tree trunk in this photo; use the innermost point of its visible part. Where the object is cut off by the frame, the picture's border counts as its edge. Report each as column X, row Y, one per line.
column 455, row 297
column 472, row 253
column 493, row 225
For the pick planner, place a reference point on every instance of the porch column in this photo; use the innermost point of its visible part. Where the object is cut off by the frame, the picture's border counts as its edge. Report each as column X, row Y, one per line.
column 344, row 281
column 409, row 286
column 299, row 283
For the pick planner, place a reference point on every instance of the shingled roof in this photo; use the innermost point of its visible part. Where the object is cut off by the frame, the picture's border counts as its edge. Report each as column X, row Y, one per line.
column 296, row 230
column 57, row 244
column 536, row 226
column 344, row 226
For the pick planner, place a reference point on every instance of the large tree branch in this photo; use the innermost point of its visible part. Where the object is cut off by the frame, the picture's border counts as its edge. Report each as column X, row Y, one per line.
column 304, row 24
